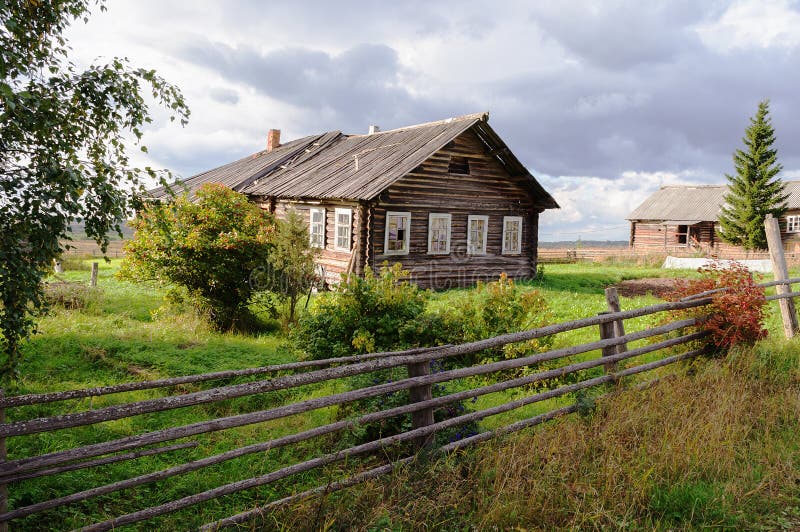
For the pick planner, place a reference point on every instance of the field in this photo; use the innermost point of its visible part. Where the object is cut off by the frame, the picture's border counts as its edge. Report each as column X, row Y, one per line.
column 121, row 335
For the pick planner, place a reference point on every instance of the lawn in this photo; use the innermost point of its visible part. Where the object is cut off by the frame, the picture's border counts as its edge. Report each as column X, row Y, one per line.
column 123, row 335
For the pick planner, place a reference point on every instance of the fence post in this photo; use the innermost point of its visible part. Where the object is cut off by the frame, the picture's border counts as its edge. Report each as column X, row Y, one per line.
column 93, row 281
column 606, row 332
column 612, row 298
column 424, row 417
column 3, row 487
column 788, row 313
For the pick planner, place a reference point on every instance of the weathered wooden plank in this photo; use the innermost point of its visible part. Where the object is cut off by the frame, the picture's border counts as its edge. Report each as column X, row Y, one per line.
column 788, row 312
column 612, row 300
column 101, row 461
column 30, row 399
column 217, row 394
column 255, row 513
column 376, row 445
column 244, row 419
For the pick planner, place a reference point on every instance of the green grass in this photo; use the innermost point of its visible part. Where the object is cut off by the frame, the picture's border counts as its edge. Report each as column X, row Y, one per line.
column 712, row 448
column 121, row 335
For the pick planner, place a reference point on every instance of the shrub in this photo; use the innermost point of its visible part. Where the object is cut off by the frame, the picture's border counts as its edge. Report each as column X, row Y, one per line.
column 291, row 261
column 496, row 308
column 68, row 295
column 401, row 423
column 209, row 246
column 736, row 314
column 379, row 312
column 364, row 314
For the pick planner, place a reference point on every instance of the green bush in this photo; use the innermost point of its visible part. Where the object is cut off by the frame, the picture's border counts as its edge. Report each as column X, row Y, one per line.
column 365, row 314
column 210, row 247
column 496, row 308
column 377, row 312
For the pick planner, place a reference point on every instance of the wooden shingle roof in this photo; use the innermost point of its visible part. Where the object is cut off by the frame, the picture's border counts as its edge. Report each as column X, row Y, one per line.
column 359, row 167
column 238, row 174
column 698, row 203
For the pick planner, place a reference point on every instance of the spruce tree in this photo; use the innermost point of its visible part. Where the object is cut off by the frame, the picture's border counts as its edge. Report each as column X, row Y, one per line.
column 755, row 190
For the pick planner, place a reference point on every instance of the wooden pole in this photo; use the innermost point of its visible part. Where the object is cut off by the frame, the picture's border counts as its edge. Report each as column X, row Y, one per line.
column 612, row 298
column 3, row 485
column 93, row 281
column 606, row 333
column 788, row 312
column 416, row 394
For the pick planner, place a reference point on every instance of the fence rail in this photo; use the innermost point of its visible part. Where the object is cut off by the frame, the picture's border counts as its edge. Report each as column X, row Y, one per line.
column 612, row 349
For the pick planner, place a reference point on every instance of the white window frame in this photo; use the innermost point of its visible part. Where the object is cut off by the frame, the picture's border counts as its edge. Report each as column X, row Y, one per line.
column 507, row 219
column 311, row 223
column 793, row 223
column 406, row 239
column 338, row 226
column 476, row 217
column 440, row 216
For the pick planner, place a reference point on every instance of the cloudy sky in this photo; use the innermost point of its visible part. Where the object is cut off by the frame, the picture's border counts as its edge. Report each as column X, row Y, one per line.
column 603, row 101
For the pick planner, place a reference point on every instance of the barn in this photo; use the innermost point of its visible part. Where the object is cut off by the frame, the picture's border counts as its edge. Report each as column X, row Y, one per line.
column 447, row 199
column 684, row 219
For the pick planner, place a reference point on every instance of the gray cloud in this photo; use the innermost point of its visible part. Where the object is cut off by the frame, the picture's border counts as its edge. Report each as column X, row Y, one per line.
column 347, row 91
column 223, row 95
column 583, row 89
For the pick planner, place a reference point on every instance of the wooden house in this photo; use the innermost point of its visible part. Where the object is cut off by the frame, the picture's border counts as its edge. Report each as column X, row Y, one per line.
column 685, row 220
column 447, row 199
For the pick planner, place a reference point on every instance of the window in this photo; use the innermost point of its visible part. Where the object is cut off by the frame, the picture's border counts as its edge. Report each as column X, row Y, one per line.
column 398, row 233
column 439, row 234
column 476, row 234
column 316, row 228
column 512, row 235
column 682, row 234
column 793, row 224
column 458, row 165
column 344, row 220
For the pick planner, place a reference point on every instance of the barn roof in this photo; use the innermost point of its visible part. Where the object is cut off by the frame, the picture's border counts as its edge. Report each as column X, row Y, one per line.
column 696, row 203
column 333, row 165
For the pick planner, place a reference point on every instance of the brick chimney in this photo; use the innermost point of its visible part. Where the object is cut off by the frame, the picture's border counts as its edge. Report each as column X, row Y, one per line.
column 273, row 139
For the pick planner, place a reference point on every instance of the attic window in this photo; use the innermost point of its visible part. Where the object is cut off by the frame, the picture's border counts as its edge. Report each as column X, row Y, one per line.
column 458, row 165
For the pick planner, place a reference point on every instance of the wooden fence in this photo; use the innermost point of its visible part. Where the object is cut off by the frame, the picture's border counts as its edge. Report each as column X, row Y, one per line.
column 670, row 342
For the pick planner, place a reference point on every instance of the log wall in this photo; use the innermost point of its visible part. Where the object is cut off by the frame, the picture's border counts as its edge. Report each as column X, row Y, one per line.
column 487, row 190
column 334, row 261
column 650, row 237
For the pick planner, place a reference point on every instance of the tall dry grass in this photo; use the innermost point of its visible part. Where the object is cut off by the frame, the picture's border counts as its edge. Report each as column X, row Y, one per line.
column 716, row 446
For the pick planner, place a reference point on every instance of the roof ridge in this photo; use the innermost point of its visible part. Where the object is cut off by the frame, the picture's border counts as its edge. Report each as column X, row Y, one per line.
column 663, row 187
column 474, row 116
column 692, row 186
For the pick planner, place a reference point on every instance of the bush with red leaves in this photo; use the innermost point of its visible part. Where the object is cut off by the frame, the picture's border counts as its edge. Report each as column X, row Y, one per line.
column 736, row 314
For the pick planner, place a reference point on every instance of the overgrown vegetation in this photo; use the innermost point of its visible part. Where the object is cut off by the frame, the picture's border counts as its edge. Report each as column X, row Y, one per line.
column 715, row 447
column 377, row 312
column 120, row 336
column 208, row 247
column 64, row 140
column 737, row 311
column 382, row 311
column 291, row 270
column 219, row 254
